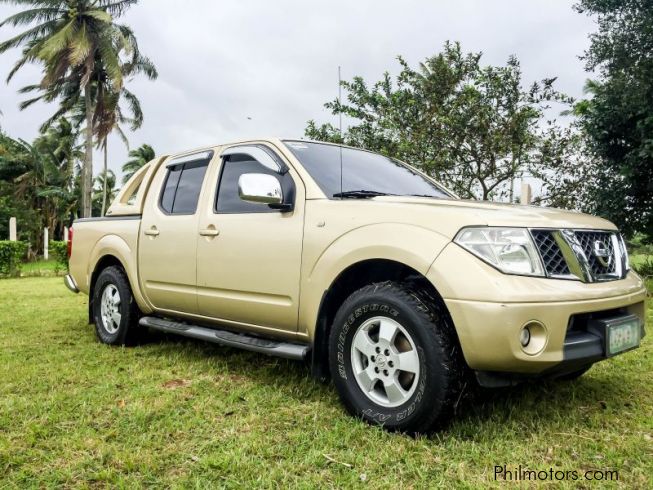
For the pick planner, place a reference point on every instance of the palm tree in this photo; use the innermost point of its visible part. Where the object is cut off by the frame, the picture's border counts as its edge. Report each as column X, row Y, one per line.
column 110, row 115
column 62, row 137
column 105, row 188
column 138, row 158
column 72, row 40
column 39, row 182
column 111, row 118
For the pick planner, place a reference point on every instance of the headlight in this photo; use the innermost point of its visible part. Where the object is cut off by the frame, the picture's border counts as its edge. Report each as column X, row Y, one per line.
column 511, row 250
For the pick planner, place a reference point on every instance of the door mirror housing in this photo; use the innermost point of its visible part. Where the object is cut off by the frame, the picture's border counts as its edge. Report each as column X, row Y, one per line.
column 261, row 189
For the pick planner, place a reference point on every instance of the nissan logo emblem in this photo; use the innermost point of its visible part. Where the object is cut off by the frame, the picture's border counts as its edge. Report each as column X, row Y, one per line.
column 602, row 253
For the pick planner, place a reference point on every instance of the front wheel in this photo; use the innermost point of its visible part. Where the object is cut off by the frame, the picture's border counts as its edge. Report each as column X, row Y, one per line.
column 394, row 359
column 114, row 309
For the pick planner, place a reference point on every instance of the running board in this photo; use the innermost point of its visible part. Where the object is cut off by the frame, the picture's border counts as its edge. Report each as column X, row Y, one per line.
column 223, row 337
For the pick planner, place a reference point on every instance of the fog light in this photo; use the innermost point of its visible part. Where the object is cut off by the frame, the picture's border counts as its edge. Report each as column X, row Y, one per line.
column 533, row 338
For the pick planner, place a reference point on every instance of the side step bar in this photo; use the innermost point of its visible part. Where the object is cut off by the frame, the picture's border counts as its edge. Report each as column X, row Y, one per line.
column 223, row 337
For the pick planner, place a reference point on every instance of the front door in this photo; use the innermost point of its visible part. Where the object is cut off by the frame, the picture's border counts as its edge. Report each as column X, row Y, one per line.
column 249, row 254
column 168, row 241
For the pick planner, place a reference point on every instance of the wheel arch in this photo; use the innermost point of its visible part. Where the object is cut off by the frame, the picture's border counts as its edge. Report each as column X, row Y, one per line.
column 112, row 250
column 354, row 277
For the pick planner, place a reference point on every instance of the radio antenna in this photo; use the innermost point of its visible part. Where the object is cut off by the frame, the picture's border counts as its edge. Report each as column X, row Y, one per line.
column 340, row 122
column 340, row 101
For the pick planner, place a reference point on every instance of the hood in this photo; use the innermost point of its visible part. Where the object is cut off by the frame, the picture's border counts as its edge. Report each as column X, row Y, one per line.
column 475, row 213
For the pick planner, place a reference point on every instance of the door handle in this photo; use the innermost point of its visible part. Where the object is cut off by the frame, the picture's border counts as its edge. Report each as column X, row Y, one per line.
column 211, row 231
column 152, row 231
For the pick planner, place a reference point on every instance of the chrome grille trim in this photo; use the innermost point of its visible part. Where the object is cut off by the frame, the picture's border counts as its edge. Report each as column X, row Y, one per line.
column 550, row 253
column 579, row 254
column 587, row 239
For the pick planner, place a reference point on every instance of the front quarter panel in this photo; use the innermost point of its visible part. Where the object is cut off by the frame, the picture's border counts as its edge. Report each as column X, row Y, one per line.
column 333, row 245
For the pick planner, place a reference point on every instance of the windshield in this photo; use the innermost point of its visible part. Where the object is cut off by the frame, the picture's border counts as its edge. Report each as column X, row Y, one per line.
column 364, row 174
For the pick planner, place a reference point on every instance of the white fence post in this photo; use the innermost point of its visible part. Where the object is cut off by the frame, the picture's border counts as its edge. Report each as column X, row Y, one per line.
column 46, row 240
column 12, row 230
column 65, row 234
column 526, row 194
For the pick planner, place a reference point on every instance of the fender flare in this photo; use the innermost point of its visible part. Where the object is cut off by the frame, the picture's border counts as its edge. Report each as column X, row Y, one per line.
column 115, row 246
column 375, row 241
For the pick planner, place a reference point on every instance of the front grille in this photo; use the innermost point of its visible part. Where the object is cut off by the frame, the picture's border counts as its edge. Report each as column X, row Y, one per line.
column 587, row 240
column 554, row 262
column 593, row 254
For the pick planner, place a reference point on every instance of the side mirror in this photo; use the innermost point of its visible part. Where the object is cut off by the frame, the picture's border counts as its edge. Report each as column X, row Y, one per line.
column 260, row 188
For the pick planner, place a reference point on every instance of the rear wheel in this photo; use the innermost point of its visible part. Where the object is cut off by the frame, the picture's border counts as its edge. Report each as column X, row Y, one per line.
column 395, row 359
column 114, row 310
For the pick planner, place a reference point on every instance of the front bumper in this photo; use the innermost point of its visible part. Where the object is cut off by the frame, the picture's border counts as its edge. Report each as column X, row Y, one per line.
column 489, row 332
column 582, row 347
column 497, row 306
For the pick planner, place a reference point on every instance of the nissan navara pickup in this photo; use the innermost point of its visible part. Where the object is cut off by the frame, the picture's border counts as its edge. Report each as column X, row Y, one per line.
column 367, row 268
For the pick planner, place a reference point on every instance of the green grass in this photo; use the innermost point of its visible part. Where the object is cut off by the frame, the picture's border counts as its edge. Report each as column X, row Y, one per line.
column 41, row 268
column 76, row 413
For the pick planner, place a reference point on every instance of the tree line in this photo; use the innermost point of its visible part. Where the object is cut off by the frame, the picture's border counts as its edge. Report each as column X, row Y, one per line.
column 477, row 129
column 472, row 127
column 86, row 58
column 40, row 182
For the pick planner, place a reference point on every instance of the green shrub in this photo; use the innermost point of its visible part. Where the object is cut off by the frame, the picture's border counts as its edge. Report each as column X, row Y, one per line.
column 59, row 252
column 11, row 257
column 640, row 245
column 645, row 268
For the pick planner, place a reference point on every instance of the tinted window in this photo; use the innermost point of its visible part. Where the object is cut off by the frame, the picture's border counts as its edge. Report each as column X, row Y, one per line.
column 181, row 190
column 170, row 187
column 228, row 200
column 361, row 170
column 189, row 187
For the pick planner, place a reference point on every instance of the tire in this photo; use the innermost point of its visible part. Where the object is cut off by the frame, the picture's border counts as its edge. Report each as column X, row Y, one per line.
column 115, row 312
column 362, row 345
column 574, row 375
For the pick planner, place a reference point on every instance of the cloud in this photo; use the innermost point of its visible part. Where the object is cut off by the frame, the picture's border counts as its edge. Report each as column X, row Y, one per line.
column 237, row 69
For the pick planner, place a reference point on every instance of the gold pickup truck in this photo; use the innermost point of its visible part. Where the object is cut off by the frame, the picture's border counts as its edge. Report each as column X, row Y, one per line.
column 360, row 264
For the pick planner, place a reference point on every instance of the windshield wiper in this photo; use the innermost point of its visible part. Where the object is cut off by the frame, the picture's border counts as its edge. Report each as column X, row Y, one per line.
column 425, row 195
column 362, row 194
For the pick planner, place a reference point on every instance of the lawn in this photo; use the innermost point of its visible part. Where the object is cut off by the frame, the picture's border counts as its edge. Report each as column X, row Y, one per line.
column 174, row 412
column 41, row 268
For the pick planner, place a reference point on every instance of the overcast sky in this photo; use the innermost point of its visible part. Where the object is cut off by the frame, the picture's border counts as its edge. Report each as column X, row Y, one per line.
column 275, row 61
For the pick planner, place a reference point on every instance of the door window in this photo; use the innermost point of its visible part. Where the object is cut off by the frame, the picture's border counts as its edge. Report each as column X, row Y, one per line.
column 170, row 188
column 228, row 200
column 183, row 184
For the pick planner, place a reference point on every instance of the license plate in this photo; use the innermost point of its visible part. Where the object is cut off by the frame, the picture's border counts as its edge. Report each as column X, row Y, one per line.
column 623, row 336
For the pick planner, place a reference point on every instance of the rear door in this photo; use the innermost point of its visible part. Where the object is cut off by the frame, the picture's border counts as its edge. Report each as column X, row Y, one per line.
column 168, row 242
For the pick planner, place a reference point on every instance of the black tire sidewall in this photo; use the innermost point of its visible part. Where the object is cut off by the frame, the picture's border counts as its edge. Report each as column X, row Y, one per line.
column 426, row 401
column 112, row 276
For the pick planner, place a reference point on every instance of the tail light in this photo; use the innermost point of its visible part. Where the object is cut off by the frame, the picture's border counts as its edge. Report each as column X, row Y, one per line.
column 70, row 242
